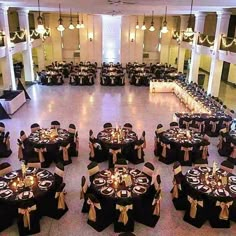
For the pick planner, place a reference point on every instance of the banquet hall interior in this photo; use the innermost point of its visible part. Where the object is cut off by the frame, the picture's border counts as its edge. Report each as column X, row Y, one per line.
column 117, row 117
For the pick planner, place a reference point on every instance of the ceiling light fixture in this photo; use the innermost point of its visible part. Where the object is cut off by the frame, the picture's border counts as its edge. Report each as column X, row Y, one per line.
column 78, row 22
column 152, row 28
column 189, row 31
column 164, row 29
column 137, row 25
column 82, row 23
column 71, row 26
column 60, row 27
column 143, row 26
column 40, row 28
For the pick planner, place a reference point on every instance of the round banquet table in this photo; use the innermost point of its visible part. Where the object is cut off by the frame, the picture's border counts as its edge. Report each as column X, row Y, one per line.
column 36, row 184
column 221, row 186
column 109, row 138
column 106, row 185
column 49, row 136
column 179, row 136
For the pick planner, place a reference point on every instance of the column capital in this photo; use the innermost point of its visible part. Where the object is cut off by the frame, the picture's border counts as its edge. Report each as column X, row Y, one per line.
column 23, row 11
column 223, row 14
column 200, row 14
column 3, row 9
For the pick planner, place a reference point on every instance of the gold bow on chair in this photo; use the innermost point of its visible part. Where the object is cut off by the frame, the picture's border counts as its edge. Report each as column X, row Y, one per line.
column 193, row 209
column 92, row 211
column 227, row 124
column 76, row 141
column 214, row 124
column 114, row 154
column 83, row 190
column 157, row 203
column 7, row 142
column 186, row 152
column 187, row 123
column 123, row 218
column 65, row 152
column 220, row 144
column 175, row 190
column 61, row 200
column 201, row 125
column 204, row 152
column 164, row 146
column 40, row 152
column 139, row 148
column 233, row 153
column 224, row 214
column 26, row 215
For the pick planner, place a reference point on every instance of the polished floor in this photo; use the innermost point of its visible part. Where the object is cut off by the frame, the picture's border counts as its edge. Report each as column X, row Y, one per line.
column 90, row 108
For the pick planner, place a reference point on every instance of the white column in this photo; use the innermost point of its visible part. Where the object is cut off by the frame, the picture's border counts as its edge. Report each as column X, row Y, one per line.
column 8, row 75
column 181, row 51
column 195, row 57
column 41, row 58
column 216, row 65
column 27, row 54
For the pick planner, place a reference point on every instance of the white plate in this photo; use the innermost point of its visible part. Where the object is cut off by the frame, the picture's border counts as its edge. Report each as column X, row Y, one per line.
column 42, row 174
column 204, row 169
column 3, row 184
column 5, row 193
column 205, row 189
column 45, row 184
column 223, row 193
column 11, row 175
column 142, row 180
column 194, row 172
column 107, row 190
column 127, row 193
column 25, row 195
column 232, row 179
column 31, row 170
column 232, row 188
column 193, row 180
column 99, row 181
column 139, row 189
column 135, row 172
column 105, row 173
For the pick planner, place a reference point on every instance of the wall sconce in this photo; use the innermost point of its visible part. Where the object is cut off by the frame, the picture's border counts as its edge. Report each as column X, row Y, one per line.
column 90, row 36
column 132, row 37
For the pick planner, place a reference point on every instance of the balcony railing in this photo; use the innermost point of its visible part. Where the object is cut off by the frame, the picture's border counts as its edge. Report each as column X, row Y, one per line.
column 206, row 40
column 34, row 34
column 176, row 35
column 17, row 36
column 228, row 44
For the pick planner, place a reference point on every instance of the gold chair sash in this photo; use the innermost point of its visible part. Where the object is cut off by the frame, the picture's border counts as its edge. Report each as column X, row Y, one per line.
column 227, row 123
column 193, row 209
column 187, row 123
column 40, row 152
column 175, row 190
column 139, row 148
column 233, row 153
column 186, row 152
column 157, row 203
column 65, row 152
column 94, row 170
column 26, row 215
column 164, row 147
column 220, row 144
column 92, row 211
column 201, row 125
column 144, row 142
column 61, row 200
column 123, row 218
column 224, row 214
column 214, row 124
column 83, row 190
column 7, row 142
column 204, row 152
column 59, row 172
column 114, row 154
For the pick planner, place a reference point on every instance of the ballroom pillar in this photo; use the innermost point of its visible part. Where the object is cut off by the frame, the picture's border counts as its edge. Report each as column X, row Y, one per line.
column 8, row 75
column 195, row 56
column 41, row 57
column 181, row 51
column 27, row 54
column 216, row 65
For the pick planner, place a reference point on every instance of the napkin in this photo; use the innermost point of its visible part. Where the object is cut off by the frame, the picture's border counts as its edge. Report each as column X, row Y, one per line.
column 25, row 195
column 123, row 193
